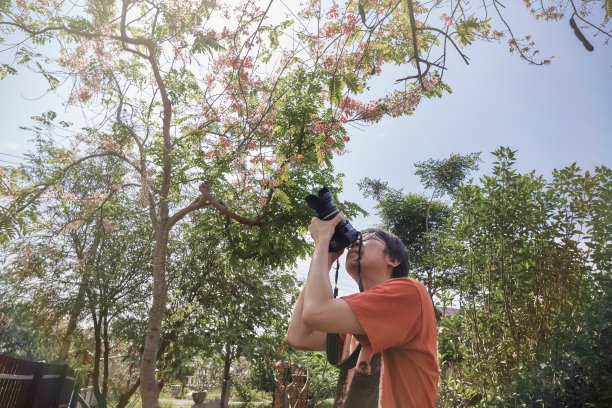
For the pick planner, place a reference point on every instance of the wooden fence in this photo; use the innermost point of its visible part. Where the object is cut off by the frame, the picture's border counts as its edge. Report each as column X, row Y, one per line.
column 28, row 384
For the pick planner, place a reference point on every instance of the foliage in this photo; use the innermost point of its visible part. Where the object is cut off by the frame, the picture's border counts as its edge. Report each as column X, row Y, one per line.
column 414, row 219
column 21, row 334
column 223, row 307
column 532, row 324
column 445, row 176
column 526, row 260
column 83, row 260
column 321, row 375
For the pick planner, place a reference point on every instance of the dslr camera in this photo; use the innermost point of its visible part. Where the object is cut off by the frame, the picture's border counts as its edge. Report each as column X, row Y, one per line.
column 322, row 204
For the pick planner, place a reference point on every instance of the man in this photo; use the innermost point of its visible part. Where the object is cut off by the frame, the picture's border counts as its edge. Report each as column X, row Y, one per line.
column 393, row 320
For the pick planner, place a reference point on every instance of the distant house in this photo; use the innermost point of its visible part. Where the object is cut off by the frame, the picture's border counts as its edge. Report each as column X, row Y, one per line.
column 450, row 312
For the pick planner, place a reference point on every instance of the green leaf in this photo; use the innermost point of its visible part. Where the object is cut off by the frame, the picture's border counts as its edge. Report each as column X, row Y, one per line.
column 273, row 39
column 353, row 83
column 79, row 24
column 336, row 85
column 51, row 79
column 283, row 198
column 204, row 43
column 5, row 6
column 467, row 27
column 5, row 70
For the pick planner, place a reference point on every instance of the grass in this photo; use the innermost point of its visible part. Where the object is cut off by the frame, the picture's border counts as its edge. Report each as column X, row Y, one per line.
column 261, row 400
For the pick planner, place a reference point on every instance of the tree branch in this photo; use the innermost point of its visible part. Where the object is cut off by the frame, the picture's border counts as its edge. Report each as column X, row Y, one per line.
column 196, row 205
column 588, row 22
column 448, row 37
column 207, row 195
column 415, row 46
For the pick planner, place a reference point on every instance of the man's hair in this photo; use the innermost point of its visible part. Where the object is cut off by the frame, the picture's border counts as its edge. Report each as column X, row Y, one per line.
column 394, row 247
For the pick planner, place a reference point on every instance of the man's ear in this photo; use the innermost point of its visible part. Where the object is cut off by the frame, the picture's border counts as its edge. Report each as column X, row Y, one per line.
column 392, row 262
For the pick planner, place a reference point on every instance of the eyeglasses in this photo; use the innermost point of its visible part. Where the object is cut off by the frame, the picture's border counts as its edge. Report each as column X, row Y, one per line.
column 365, row 237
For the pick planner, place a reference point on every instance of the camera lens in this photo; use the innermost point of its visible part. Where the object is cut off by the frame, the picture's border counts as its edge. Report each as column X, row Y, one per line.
column 325, row 209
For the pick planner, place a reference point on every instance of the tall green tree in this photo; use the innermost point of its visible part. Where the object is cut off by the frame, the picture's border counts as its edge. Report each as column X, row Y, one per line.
column 531, row 289
column 224, row 305
column 443, row 177
column 414, row 218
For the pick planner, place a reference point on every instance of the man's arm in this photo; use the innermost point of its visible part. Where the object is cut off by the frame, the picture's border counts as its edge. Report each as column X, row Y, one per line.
column 300, row 336
column 321, row 312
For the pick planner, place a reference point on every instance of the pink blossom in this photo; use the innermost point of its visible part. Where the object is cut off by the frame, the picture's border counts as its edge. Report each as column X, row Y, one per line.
column 224, row 142
column 333, row 11
column 350, row 24
column 330, row 30
column 328, row 62
column 448, row 20
column 319, row 127
column 213, row 153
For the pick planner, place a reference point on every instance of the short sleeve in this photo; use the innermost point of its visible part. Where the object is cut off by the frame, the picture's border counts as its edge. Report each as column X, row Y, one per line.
column 390, row 313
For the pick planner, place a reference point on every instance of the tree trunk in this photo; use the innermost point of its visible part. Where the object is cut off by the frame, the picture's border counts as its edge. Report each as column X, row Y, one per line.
column 77, row 306
column 149, row 387
column 95, row 375
column 227, row 382
column 124, row 399
column 105, row 372
column 75, row 311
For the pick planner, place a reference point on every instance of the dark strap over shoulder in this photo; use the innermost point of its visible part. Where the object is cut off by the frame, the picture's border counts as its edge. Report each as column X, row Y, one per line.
column 333, row 351
column 332, row 346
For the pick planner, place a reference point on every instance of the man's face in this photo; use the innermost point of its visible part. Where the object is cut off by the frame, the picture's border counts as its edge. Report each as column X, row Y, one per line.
column 373, row 256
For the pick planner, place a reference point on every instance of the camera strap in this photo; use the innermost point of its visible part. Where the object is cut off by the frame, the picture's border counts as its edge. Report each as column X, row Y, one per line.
column 332, row 346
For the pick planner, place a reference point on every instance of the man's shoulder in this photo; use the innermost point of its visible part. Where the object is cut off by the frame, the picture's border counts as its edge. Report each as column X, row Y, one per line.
column 401, row 283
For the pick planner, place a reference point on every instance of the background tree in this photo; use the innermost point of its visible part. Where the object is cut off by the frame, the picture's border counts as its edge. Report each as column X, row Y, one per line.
column 529, row 288
column 443, row 177
column 522, row 258
column 82, row 266
column 416, row 219
column 226, row 303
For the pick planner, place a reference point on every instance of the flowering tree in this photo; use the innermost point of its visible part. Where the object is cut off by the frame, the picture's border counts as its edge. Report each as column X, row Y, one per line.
column 418, row 35
column 229, row 118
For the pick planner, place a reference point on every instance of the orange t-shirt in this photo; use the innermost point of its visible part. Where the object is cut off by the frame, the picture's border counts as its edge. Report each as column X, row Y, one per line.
column 399, row 322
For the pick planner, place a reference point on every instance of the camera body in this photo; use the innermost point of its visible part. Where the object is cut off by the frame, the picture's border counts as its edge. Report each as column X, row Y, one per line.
column 322, row 204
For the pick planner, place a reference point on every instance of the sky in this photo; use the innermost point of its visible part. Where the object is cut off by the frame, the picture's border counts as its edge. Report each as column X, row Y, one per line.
column 553, row 115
